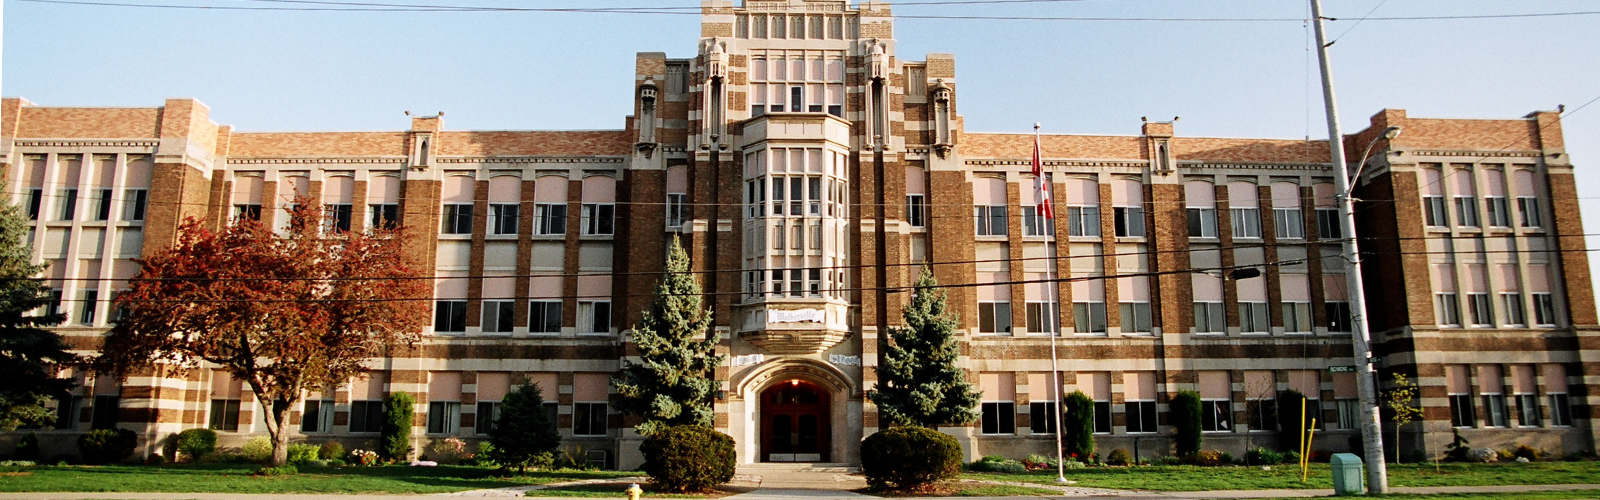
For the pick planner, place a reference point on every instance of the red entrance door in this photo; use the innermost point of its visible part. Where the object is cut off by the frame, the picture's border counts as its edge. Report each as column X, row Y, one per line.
column 794, row 423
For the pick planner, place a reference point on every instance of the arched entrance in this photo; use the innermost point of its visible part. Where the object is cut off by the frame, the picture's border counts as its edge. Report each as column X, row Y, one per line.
column 796, row 422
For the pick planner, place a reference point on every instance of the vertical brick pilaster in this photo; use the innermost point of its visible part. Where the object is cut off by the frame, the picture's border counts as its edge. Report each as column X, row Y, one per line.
column 480, row 231
column 569, row 266
column 1230, row 289
column 1108, row 259
column 1269, row 240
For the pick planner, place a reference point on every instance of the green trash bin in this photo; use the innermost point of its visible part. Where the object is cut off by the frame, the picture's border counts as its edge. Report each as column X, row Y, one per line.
column 1347, row 475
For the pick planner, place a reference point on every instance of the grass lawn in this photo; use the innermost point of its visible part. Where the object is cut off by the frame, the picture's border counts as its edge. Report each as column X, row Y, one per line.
column 236, row 478
column 1521, row 495
column 1191, row 478
column 966, row 489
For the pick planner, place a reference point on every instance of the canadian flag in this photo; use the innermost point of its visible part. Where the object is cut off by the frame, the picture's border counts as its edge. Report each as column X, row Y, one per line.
column 1042, row 200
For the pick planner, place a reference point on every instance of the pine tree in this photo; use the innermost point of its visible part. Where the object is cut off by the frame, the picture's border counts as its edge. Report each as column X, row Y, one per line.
column 524, row 434
column 29, row 354
column 672, row 383
column 919, row 381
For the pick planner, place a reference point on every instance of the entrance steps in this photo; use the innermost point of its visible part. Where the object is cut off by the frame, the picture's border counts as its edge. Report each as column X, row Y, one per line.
column 818, row 467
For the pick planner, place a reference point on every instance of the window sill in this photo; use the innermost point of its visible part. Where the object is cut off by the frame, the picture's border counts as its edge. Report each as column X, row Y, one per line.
column 501, row 237
column 597, row 237
column 992, row 237
column 455, row 236
column 1133, row 239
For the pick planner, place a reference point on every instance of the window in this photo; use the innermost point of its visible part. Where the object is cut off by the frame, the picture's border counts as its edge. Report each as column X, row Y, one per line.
column 796, row 196
column 551, row 410
column 594, row 316
column 991, row 220
column 1528, row 206
column 69, row 204
column 489, row 413
column 35, row 200
column 67, row 412
column 1544, row 309
column 1339, row 319
column 1202, row 223
column 1083, row 221
column 917, row 210
column 86, row 307
column 1263, row 414
column 1349, row 413
column 1102, row 417
column 457, row 218
column 1209, row 318
column 1513, row 307
column 318, row 416
column 1329, row 227
column 599, row 218
column 544, row 316
column 1433, row 213
column 1494, row 409
column 755, row 195
column 1136, row 317
column 1289, row 223
column 1528, row 410
column 1129, row 221
column 1246, row 222
column 383, row 215
column 247, row 212
column 1216, row 415
column 1466, row 211
column 678, row 208
column 552, row 218
column 102, row 208
column 224, row 415
column 504, row 218
column 1461, row 414
column 1141, row 416
column 994, row 317
column 366, row 416
column 1560, row 410
column 1297, row 317
column 1449, row 310
column 814, row 190
column 1089, row 317
column 1499, row 211
column 497, row 316
column 588, row 419
column 1035, row 224
column 1482, row 310
column 444, row 417
column 450, row 316
column 1041, row 417
column 999, row 417
column 1043, row 317
column 336, row 217
column 53, row 307
column 1253, row 317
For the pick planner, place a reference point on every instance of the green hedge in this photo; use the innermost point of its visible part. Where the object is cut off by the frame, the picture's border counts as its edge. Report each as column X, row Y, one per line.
column 688, row 458
column 104, row 446
column 903, row 458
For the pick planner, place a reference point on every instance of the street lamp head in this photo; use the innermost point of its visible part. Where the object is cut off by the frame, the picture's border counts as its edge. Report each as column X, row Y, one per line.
column 1391, row 132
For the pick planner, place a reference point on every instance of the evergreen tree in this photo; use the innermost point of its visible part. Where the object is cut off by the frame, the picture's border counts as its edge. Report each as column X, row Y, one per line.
column 672, row 383
column 29, row 354
column 919, row 381
column 524, row 434
column 1077, row 425
column 399, row 410
column 1186, row 422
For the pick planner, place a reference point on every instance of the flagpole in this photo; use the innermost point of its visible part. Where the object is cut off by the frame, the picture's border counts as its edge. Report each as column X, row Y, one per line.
column 1043, row 189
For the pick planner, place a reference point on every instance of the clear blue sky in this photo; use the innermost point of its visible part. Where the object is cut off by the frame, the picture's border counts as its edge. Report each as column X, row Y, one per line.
column 328, row 71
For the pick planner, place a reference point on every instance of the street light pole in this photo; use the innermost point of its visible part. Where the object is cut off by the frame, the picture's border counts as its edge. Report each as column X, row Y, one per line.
column 1371, row 437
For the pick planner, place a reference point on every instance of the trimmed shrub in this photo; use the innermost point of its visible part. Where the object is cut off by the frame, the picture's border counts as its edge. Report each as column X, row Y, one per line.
column 1262, row 456
column 1077, row 425
column 903, row 458
column 1119, row 456
column 302, row 454
column 448, row 450
column 1185, row 414
column 688, row 458
column 1205, row 458
column 331, row 451
column 196, row 443
column 258, row 449
column 398, row 410
column 104, row 446
column 996, row 463
column 285, row 470
column 1227, row 458
column 27, row 448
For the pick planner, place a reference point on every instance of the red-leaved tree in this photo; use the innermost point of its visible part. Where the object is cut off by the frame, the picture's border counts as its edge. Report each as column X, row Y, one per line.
column 284, row 312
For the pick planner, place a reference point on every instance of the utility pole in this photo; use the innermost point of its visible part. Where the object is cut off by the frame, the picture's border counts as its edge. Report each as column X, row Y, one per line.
column 1371, row 437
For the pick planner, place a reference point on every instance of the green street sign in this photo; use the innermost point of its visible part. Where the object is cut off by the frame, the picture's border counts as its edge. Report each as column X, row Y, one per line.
column 1342, row 369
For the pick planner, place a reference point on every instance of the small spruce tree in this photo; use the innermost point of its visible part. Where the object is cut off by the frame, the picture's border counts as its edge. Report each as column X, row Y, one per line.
column 398, row 410
column 29, row 354
column 1077, row 426
column 920, row 382
column 1186, row 422
column 523, row 436
column 673, row 383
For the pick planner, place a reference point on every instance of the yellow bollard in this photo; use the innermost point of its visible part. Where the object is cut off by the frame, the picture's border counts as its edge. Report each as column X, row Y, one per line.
column 1305, row 454
column 633, row 491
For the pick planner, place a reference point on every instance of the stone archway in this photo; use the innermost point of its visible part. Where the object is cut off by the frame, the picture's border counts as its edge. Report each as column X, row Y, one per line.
column 795, row 424
column 799, row 410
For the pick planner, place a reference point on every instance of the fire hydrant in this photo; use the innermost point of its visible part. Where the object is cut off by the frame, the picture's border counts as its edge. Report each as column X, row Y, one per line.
column 633, row 491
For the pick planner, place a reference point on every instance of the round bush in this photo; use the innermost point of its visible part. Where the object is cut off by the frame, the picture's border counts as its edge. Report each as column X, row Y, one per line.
column 688, row 458
column 1119, row 456
column 258, row 449
column 196, row 443
column 332, row 451
column 909, row 457
column 301, row 454
column 1262, row 456
column 104, row 446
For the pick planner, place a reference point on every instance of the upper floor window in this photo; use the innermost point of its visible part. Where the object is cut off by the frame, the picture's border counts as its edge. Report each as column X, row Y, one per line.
column 504, row 218
column 917, row 210
column 1528, row 207
column 1083, row 221
column 1129, row 221
column 1329, row 227
column 336, row 217
column 35, row 200
column 457, row 218
column 1036, row 224
column 1499, row 211
column 250, row 212
column 552, row 218
column 678, row 209
column 1202, row 223
column 1246, row 222
column 1433, row 212
column 383, row 215
column 599, row 218
column 1289, row 222
column 68, row 208
column 991, row 220
column 1466, row 211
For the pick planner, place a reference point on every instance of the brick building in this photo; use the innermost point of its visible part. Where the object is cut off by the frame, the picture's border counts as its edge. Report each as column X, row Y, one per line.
column 811, row 172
